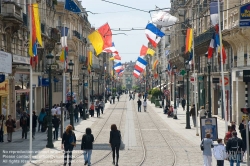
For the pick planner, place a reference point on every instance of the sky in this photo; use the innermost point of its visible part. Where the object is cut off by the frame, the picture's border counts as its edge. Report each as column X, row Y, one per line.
column 128, row 45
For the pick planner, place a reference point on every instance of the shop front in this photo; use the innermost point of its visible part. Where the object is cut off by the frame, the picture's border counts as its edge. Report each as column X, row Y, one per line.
column 4, row 100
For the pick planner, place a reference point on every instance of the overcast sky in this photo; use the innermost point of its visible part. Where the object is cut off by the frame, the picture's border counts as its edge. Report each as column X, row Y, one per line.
column 120, row 17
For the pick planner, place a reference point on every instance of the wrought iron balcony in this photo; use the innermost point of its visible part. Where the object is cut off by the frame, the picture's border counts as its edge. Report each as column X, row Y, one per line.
column 12, row 12
column 25, row 20
column 76, row 34
column 206, row 36
column 55, row 35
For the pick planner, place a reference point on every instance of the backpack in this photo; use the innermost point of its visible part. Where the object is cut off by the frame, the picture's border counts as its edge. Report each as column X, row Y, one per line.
column 88, row 139
column 72, row 140
column 234, row 144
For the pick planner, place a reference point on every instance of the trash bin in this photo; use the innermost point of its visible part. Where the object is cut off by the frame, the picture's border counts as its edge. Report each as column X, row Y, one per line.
column 157, row 103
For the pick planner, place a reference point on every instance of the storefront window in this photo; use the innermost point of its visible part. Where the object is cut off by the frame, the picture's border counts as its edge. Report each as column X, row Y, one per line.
column 4, row 106
column 22, row 103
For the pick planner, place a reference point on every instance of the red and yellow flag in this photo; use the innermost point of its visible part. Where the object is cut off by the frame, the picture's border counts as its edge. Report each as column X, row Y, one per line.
column 189, row 39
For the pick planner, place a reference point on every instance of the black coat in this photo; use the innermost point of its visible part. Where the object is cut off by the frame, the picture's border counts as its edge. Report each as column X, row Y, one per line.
column 241, row 126
column 115, row 138
column 24, row 121
column 56, row 122
column 235, row 145
column 183, row 102
column 34, row 121
column 65, row 138
column 87, row 141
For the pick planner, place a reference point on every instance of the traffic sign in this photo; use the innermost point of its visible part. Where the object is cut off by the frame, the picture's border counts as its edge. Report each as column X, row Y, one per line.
column 166, row 92
column 226, row 81
column 52, row 66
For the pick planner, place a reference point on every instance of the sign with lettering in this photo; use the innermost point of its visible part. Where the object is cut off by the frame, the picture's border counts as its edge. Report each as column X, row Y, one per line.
column 4, row 88
column 244, row 20
column 246, row 75
column 21, row 59
column 5, row 62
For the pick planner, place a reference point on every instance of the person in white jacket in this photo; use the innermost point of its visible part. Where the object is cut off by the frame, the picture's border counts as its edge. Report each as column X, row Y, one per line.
column 145, row 105
column 219, row 152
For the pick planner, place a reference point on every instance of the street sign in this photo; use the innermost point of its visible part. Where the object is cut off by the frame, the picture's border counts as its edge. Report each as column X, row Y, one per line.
column 183, row 72
column 85, row 84
column 216, row 80
column 52, row 67
column 244, row 17
column 166, row 92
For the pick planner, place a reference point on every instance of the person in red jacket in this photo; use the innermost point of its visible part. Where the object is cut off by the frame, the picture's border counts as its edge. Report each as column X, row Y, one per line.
column 228, row 135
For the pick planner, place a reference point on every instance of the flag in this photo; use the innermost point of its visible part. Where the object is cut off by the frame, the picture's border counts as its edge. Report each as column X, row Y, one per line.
column 117, row 57
column 36, row 36
column 224, row 55
column 211, row 48
column 89, row 61
column 34, row 61
column 118, row 67
column 153, row 34
column 155, row 64
column 189, row 39
column 169, row 66
column 214, row 16
column 101, row 38
column 64, row 53
column 140, row 64
column 145, row 50
column 112, row 58
column 136, row 73
column 163, row 18
column 71, row 6
column 190, row 55
column 111, row 49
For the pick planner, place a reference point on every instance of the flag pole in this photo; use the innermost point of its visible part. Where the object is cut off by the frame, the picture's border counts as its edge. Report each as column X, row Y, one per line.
column 30, row 95
column 195, row 82
column 222, row 71
column 104, row 83
column 64, row 77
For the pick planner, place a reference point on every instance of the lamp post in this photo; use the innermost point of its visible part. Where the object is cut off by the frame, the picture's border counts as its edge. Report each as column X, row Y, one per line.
column 209, row 90
column 49, row 140
column 98, row 86
column 71, row 64
column 83, row 92
column 175, row 109
column 187, row 66
column 160, row 89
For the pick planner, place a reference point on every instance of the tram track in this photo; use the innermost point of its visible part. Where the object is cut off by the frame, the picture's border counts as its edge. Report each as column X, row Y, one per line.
column 144, row 157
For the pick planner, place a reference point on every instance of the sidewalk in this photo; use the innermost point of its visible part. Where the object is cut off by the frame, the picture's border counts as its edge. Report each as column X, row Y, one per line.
column 17, row 152
column 178, row 125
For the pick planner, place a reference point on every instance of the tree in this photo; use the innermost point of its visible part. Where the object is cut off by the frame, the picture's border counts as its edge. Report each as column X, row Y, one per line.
column 156, row 92
column 135, row 87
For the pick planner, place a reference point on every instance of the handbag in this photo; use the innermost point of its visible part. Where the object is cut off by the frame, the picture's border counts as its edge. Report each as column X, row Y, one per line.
column 202, row 146
column 122, row 145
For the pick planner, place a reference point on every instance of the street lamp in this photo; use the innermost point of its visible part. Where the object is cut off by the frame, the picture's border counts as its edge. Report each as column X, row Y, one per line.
column 175, row 109
column 160, row 89
column 187, row 66
column 209, row 90
column 92, row 95
column 83, row 92
column 49, row 140
column 71, row 64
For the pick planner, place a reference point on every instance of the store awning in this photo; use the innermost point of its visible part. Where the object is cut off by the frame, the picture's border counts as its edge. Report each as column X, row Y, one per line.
column 17, row 59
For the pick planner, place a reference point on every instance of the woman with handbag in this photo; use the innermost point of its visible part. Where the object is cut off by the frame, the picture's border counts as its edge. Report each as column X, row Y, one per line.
column 206, row 146
column 91, row 109
column 11, row 124
column 115, row 142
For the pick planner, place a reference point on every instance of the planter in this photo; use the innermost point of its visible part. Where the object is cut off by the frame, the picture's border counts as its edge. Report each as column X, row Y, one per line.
column 152, row 99
column 157, row 103
column 149, row 97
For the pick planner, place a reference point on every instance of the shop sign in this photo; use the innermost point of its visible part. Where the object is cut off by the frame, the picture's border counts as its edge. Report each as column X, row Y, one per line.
column 21, row 59
column 4, row 88
column 5, row 62
column 244, row 20
column 2, row 78
column 246, row 75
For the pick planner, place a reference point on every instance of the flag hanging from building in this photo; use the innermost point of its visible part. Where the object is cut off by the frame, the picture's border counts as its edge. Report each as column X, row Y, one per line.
column 153, row 34
column 211, row 47
column 64, row 53
column 140, row 64
column 111, row 49
column 163, row 18
column 155, row 64
column 146, row 51
column 189, row 39
column 89, row 61
column 101, row 38
column 136, row 73
column 118, row 67
column 214, row 12
column 36, row 36
column 70, row 5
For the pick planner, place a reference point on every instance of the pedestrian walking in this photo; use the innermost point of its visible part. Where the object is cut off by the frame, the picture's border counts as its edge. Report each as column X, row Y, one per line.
column 130, row 96
column 145, row 105
column 80, row 107
column 24, row 122
column 202, row 112
column 87, row 146
column 97, row 108
column 68, row 144
column 76, row 111
column 40, row 119
column 177, row 102
column 2, row 122
column 58, row 111
column 228, row 135
column 139, row 105
column 34, row 124
column 242, row 124
column 102, row 105
column 10, row 124
column 233, row 126
column 118, row 97
column 113, row 98
column 220, row 153
column 183, row 103
column 92, row 109
column 133, row 95
column 234, row 148
column 192, row 114
column 206, row 145
column 110, row 99
column 115, row 142
column 56, row 123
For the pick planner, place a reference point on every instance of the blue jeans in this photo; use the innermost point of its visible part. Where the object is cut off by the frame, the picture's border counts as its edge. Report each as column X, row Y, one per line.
column 139, row 108
column 87, row 155
column 235, row 158
column 76, row 118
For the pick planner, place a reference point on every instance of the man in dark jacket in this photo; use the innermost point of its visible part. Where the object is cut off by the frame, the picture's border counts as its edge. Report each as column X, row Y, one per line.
column 24, row 123
column 183, row 103
column 234, row 148
column 87, row 145
column 139, row 105
column 56, row 123
column 192, row 113
column 80, row 106
column 34, row 124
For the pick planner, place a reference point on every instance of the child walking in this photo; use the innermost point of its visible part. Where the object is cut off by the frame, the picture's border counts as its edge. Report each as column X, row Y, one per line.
column 145, row 105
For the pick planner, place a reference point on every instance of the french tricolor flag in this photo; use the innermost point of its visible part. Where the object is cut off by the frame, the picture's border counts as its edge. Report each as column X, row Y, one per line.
column 153, row 34
column 111, row 49
column 140, row 64
column 118, row 67
column 136, row 73
column 211, row 47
